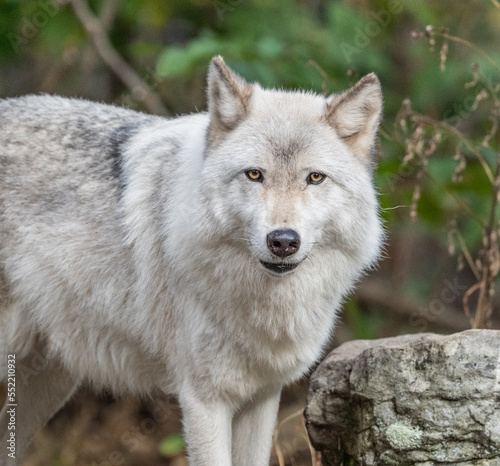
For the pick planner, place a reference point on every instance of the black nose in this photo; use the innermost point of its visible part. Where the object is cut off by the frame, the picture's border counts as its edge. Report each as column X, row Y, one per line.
column 283, row 243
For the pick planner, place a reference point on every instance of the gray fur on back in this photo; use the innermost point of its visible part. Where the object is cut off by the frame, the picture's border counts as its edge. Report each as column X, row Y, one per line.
column 55, row 153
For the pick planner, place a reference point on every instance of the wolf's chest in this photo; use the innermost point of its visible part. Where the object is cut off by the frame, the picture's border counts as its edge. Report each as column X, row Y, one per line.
column 249, row 354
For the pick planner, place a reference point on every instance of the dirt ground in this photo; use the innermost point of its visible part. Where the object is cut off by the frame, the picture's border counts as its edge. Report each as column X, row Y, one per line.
column 103, row 431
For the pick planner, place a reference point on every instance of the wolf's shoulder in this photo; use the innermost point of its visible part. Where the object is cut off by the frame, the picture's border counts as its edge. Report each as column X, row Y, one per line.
column 56, row 109
column 51, row 103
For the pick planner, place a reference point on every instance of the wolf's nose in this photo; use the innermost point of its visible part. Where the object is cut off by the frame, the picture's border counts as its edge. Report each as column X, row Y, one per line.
column 283, row 243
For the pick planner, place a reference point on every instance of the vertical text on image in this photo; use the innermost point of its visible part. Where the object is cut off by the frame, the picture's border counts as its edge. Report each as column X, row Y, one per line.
column 11, row 404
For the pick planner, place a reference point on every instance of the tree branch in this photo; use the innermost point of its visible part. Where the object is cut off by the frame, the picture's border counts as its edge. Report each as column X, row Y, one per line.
column 108, row 13
column 97, row 33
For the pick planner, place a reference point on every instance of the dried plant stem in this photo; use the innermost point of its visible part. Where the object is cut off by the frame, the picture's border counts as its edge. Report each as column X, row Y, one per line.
column 466, row 253
column 457, row 199
column 489, row 257
column 97, row 33
column 326, row 78
column 465, row 301
column 279, row 451
column 452, row 130
column 484, row 302
column 470, row 45
column 487, row 266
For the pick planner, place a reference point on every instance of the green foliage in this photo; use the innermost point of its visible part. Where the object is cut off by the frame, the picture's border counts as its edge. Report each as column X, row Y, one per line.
column 277, row 46
column 364, row 326
column 172, row 446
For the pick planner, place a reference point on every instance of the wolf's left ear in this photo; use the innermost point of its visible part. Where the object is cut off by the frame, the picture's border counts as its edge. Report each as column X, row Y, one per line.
column 228, row 99
column 355, row 115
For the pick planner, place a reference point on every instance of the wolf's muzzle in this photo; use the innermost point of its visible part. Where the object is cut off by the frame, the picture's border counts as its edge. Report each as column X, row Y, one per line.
column 283, row 243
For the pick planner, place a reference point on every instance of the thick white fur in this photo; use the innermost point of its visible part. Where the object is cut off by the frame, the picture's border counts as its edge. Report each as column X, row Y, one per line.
column 161, row 286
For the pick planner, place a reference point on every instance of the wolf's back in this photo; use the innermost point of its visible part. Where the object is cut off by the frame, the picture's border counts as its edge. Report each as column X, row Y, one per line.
column 54, row 150
column 60, row 174
column 47, row 132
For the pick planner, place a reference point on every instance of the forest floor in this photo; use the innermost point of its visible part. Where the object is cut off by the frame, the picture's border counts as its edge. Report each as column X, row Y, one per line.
column 103, row 431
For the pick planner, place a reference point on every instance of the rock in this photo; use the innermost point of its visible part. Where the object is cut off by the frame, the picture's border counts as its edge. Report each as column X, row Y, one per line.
column 411, row 400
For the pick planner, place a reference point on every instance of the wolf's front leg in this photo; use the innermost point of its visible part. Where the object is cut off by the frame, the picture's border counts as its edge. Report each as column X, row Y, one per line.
column 253, row 429
column 207, row 428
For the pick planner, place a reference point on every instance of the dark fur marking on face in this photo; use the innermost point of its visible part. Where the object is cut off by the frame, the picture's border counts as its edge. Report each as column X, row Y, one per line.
column 288, row 149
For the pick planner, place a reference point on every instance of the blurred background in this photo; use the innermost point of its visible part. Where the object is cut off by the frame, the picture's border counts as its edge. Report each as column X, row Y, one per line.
column 437, row 171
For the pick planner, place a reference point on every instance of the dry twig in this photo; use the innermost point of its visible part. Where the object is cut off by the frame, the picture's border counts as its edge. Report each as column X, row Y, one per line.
column 97, row 31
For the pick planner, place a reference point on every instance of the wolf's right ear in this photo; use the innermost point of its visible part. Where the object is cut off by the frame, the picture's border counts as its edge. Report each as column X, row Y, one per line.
column 355, row 115
column 228, row 99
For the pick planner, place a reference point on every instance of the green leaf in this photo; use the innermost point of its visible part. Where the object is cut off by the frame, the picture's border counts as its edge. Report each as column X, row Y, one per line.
column 174, row 61
column 269, row 47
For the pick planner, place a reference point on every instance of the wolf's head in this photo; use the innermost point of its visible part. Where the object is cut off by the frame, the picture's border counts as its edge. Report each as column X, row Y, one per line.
column 287, row 175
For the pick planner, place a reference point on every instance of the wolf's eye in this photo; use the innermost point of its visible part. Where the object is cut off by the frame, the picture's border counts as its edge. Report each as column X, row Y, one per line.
column 315, row 178
column 254, row 175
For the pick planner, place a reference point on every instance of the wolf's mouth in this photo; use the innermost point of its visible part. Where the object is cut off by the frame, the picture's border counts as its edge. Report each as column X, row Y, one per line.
column 279, row 267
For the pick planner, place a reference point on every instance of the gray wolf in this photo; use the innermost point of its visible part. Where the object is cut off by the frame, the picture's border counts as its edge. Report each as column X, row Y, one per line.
column 204, row 256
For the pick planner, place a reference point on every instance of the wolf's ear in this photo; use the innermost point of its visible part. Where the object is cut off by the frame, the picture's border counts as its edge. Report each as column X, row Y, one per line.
column 228, row 99
column 355, row 115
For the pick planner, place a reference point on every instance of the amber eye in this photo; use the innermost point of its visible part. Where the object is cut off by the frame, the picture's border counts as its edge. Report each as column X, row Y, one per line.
column 254, row 175
column 315, row 178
